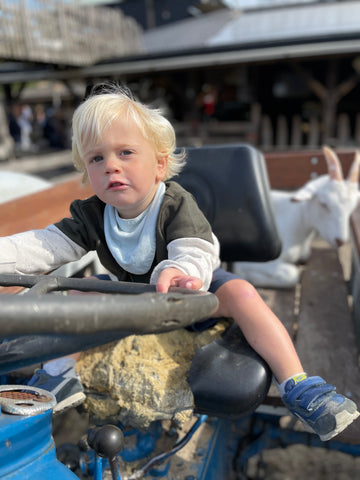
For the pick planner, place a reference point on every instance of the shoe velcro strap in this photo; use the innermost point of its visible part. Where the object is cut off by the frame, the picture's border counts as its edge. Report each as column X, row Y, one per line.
column 322, row 392
column 305, row 385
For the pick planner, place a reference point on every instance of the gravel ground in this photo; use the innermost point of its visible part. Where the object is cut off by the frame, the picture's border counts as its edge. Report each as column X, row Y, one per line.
column 299, row 462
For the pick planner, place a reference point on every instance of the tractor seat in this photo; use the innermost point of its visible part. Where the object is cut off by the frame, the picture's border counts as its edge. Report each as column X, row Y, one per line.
column 227, row 377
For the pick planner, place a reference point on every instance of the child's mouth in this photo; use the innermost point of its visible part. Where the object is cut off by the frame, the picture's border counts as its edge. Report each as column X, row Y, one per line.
column 116, row 185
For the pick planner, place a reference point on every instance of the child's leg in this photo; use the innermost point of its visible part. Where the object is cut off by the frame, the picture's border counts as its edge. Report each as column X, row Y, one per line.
column 263, row 330
column 59, row 365
column 311, row 399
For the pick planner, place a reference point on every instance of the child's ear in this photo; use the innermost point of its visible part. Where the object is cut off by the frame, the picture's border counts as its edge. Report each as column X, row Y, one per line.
column 162, row 166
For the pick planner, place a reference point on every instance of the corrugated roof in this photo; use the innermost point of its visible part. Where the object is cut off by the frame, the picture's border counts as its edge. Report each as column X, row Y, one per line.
column 234, row 27
column 304, row 21
column 230, row 37
column 191, row 33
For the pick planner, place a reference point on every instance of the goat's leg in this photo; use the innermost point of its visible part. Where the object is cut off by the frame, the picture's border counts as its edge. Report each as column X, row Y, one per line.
column 273, row 274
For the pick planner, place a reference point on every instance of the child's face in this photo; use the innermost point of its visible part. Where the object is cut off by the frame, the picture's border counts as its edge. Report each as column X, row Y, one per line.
column 123, row 169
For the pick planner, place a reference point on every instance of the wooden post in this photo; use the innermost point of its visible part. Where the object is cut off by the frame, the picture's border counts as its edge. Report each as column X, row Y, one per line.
column 296, row 132
column 314, row 132
column 266, row 136
column 329, row 94
column 343, row 130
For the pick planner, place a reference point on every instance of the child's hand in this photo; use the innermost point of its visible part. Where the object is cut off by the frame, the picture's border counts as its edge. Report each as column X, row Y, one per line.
column 171, row 277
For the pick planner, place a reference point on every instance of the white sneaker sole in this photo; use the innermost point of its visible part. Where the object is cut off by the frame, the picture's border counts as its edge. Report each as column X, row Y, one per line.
column 343, row 420
column 69, row 402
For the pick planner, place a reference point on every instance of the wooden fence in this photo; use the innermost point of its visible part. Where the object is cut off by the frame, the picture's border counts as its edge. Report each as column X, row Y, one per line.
column 56, row 32
column 280, row 134
column 295, row 133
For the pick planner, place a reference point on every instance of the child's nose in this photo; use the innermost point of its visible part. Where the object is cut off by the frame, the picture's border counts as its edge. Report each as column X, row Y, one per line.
column 112, row 165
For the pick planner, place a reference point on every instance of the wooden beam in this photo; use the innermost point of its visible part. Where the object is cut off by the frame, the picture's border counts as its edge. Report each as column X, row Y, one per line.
column 291, row 170
column 42, row 208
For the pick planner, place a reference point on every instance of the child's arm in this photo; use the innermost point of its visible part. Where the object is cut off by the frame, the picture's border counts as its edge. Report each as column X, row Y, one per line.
column 37, row 251
column 192, row 249
column 192, row 259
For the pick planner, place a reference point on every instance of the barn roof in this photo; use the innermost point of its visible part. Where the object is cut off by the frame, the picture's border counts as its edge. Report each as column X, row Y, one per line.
column 229, row 37
column 286, row 23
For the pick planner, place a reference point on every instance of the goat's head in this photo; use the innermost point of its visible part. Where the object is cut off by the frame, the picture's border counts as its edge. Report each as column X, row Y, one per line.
column 331, row 199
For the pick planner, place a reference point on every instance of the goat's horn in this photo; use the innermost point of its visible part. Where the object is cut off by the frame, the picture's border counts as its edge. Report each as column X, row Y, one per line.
column 353, row 175
column 333, row 164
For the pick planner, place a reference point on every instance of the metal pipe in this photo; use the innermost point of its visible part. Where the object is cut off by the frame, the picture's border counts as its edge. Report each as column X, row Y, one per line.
column 79, row 314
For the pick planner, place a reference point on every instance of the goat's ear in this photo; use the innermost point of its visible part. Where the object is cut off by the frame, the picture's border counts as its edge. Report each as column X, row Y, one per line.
column 353, row 176
column 303, row 194
column 333, row 164
column 307, row 191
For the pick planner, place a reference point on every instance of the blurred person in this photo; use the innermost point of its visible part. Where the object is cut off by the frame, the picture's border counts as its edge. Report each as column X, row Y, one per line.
column 207, row 100
column 55, row 129
column 25, row 121
column 14, row 125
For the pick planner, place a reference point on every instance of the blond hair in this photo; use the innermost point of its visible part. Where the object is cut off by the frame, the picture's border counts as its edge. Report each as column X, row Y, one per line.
column 106, row 104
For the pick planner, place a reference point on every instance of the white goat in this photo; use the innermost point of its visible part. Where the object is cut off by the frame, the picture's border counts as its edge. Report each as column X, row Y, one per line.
column 321, row 206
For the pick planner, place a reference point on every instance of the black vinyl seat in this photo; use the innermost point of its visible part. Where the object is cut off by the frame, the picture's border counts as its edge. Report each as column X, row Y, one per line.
column 231, row 186
column 227, row 377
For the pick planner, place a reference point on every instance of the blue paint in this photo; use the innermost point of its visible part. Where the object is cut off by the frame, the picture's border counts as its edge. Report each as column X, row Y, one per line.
column 27, row 450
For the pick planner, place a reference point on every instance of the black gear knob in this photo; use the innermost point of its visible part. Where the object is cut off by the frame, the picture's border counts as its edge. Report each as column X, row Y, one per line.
column 107, row 441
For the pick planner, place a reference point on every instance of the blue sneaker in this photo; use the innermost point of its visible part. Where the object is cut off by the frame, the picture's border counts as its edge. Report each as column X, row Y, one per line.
column 318, row 406
column 66, row 387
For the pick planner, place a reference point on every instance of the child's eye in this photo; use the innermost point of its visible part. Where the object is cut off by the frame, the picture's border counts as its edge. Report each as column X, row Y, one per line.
column 126, row 152
column 97, row 159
